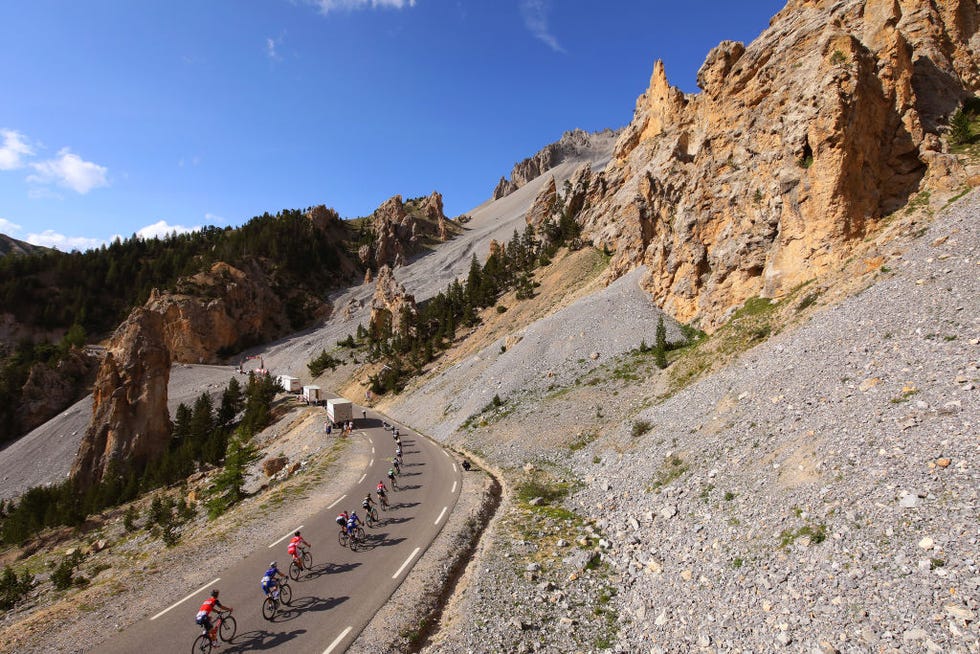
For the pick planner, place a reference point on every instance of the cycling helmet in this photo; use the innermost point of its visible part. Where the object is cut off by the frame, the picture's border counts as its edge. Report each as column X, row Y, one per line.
column 273, row 565
column 214, row 593
column 297, row 533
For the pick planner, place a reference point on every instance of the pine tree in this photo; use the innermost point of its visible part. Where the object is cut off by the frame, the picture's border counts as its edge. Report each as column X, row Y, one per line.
column 660, row 349
column 229, row 485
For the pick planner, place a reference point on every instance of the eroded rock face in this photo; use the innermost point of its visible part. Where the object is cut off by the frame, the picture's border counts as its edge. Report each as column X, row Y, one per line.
column 398, row 232
column 50, row 390
column 570, row 144
column 798, row 144
column 390, row 300
column 217, row 311
column 130, row 422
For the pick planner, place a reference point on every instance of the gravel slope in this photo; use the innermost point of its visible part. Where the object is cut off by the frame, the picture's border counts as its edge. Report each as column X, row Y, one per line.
column 818, row 495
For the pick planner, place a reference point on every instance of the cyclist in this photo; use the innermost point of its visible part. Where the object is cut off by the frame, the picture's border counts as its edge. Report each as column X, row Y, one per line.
column 398, row 453
column 295, row 543
column 204, row 616
column 391, row 477
column 352, row 522
column 270, row 581
column 341, row 519
column 367, row 503
column 394, row 463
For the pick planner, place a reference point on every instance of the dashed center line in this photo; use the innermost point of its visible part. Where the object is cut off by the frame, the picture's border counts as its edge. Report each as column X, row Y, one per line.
column 339, row 639
column 178, row 603
column 287, row 535
column 363, row 477
column 405, row 564
column 454, row 468
column 454, row 487
column 441, row 513
column 337, row 501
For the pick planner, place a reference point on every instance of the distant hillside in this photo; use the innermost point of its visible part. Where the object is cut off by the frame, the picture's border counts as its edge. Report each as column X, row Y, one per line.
column 9, row 245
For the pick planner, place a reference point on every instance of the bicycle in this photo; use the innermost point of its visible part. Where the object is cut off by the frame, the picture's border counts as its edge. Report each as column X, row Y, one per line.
column 371, row 516
column 295, row 570
column 356, row 538
column 383, row 501
column 225, row 627
column 271, row 604
column 342, row 537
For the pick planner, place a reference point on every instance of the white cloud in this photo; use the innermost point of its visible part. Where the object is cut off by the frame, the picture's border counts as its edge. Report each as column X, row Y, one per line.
column 161, row 229
column 270, row 48
column 535, row 14
column 71, row 171
column 214, row 219
column 8, row 227
column 52, row 239
column 14, row 147
column 326, row 6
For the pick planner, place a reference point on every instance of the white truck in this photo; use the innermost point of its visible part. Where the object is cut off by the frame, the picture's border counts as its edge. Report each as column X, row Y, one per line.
column 312, row 394
column 339, row 410
column 290, row 384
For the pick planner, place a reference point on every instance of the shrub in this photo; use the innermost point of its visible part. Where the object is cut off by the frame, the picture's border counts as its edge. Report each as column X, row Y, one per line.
column 62, row 575
column 13, row 588
column 640, row 427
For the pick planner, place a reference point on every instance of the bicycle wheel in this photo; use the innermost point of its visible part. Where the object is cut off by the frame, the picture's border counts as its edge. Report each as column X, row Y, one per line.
column 268, row 608
column 202, row 645
column 227, row 629
column 359, row 532
column 294, row 571
column 307, row 560
column 285, row 594
column 342, row 537
column 352, row 542
column 373, row 514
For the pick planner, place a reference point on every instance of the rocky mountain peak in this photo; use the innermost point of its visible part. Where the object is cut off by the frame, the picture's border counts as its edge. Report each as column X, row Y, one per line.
column 796, row 147
column 400, row 229
column 572, row 144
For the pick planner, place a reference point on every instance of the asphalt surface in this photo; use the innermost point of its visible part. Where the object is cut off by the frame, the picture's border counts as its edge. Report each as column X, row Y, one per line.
column 338, row 596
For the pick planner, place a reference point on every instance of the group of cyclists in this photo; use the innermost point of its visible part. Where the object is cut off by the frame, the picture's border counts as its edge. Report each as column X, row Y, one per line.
column 273, row 576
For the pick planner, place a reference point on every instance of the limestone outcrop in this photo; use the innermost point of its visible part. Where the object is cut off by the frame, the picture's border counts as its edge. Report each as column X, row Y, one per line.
column 796, row 147
column 570, row 144
column 401, row 228
column 221, row 310
column 49, row 390
column 390, row 302
column 130, row 422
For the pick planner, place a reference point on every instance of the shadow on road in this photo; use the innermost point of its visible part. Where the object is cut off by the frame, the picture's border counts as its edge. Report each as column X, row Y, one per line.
column 398, row 521
column 403, row 505
column 329, row 569
column 311, row 603
column 260, row 639
column 411, row 487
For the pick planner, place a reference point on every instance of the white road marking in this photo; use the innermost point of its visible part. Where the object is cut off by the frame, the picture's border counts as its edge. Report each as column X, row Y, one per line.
column 405, row 564
column 337, row 501
column 285, row 537
column 372, row 449
column 441, row 513
column 454, row 468
column 371, row 464
column 454, row 487
column 175, row 604
column 363, row 477
column 338, row 640
column 446, row 453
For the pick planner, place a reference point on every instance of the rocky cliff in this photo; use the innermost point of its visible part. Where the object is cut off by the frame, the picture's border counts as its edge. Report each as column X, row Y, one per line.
column 796, row 147
column 50, row 389
column 130, row 422
column 571, row 144
column 400, row 229
column 390, row 301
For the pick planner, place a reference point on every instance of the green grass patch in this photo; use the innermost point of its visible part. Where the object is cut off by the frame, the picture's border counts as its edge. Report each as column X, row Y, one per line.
column 672, row 469
column 817, row 533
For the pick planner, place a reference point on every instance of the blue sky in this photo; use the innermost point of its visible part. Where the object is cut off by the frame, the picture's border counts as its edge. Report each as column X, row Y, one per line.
column 123, row 117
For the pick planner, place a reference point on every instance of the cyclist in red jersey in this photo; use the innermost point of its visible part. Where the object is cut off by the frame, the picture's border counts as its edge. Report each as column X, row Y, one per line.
column 204, row 615
column 294, row 543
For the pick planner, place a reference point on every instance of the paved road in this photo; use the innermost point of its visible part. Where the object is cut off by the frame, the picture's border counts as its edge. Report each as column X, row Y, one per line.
column 332, row 604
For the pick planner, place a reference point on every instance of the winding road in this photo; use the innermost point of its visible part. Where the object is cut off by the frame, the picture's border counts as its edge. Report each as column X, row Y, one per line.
column 334, row 601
